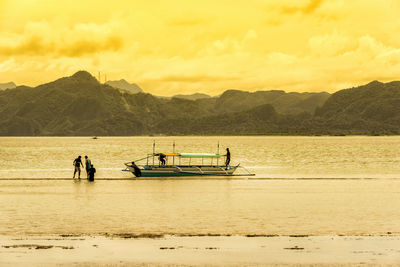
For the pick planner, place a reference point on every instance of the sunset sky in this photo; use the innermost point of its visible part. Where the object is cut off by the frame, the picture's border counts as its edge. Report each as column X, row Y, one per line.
column 170, row 47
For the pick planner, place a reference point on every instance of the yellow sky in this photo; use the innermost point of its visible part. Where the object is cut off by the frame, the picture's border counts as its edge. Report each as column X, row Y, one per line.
column 208, row 46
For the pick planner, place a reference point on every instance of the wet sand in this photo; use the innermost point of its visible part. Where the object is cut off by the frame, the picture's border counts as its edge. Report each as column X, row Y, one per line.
column 199, row 250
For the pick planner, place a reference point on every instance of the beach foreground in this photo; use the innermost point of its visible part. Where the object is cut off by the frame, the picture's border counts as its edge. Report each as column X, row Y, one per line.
column 199, row 250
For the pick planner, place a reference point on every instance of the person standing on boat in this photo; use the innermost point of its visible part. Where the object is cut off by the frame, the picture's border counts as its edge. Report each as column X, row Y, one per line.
column 162, row 157
column 77, row 163
column 228, row 157
column 91, row 173
column 87, row 165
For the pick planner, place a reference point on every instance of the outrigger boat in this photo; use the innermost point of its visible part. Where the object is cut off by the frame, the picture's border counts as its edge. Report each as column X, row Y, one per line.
column 182, row 164
column 159, row 170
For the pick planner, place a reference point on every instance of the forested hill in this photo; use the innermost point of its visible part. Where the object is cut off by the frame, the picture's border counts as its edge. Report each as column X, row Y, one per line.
column 373, row 108
column 80, row 105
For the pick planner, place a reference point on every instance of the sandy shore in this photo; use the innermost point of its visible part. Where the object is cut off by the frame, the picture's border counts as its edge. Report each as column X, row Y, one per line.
column 199, row 250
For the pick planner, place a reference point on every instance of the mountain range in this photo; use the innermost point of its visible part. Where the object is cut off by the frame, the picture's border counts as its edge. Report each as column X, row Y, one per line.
column 9, row 85
column 122, row 84
column 80, row 106
column 193, row 96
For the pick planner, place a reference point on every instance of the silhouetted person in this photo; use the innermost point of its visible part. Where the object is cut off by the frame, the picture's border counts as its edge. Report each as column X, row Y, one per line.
column 87, row 165
column 136, row 169
column 77, row 163
column 228, row 157
column 92, row 171
column 162, row 157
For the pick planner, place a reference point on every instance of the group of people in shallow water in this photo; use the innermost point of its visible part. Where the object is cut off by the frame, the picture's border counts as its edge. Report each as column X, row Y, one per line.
column 90, row 170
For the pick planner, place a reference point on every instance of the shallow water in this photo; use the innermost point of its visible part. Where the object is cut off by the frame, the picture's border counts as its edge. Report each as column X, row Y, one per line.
column 237, row 207
column 303, row 186
column 268, row 157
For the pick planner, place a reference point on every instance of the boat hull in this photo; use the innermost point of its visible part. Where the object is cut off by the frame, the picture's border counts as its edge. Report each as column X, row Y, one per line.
column 176, row 171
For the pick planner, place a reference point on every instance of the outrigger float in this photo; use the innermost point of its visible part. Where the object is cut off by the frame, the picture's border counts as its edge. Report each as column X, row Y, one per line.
column 182, row 164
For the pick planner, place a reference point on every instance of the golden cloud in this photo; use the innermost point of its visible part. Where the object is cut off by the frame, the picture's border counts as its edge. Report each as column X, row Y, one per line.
column 196, row 78
column 305, row 9
column 187, row 22
column 208, row 46
column 40, row 39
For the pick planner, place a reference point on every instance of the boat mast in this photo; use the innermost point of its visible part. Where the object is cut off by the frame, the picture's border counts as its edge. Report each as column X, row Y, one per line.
column 154, row 149
column 217, row 152
column 173, row 150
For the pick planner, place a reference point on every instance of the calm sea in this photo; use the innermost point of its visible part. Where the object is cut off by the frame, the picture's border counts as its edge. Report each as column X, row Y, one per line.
column 303, row 185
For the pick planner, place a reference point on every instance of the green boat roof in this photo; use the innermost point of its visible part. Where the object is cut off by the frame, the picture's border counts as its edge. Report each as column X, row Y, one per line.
column 191, row 155
column 199, row 155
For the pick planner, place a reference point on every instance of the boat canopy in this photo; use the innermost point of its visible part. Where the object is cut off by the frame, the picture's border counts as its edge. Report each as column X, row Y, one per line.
column 193, row 155
column 199, row 155
column 171, row 154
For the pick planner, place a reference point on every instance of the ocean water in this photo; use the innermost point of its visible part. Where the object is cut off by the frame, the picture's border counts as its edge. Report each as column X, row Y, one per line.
column 302, row 186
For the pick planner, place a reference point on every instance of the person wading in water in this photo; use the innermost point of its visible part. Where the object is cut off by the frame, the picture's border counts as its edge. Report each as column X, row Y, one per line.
column 77, row 163
column 136, row 169
column 91, row 172
column 87, row 165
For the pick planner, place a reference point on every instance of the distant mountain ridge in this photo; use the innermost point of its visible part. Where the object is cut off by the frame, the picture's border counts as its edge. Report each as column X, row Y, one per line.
column 132, row 88
column 9, row 85
column 286, row 103
column 194, row 96
column 80, row 105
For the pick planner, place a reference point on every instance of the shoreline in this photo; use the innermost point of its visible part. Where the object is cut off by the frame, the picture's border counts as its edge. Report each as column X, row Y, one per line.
column 189, row 178
column 194, row 135
column 157, row 250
